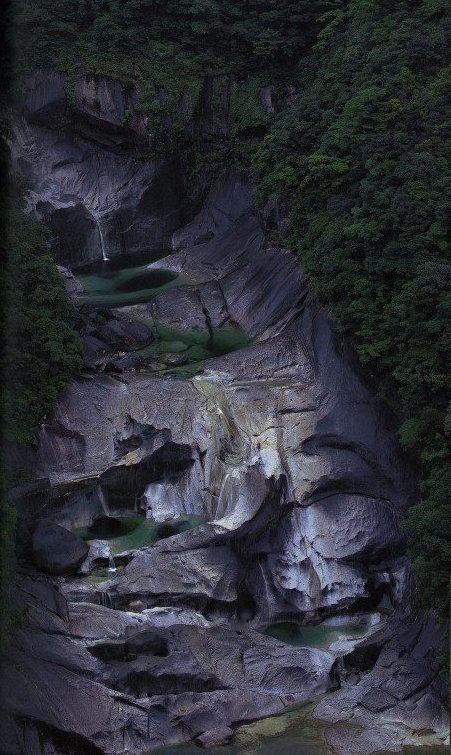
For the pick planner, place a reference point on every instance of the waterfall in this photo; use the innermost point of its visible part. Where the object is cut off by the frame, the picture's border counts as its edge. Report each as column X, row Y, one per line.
column 111, row 564
column 103, row 502
column 102, row 243
column 223, row 496
column 105, row 599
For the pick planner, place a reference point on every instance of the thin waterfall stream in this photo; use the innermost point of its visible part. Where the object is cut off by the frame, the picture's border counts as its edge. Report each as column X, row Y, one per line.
column 102, row 242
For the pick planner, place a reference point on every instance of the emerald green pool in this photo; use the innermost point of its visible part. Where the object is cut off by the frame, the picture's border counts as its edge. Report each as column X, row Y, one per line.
column 291, row 733
column 319, row 636
column 194, row 345
column 137, row 532
column 110, row 286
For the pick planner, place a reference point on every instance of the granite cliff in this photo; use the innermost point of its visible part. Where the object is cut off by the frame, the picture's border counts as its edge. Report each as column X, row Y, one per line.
column 277, row 449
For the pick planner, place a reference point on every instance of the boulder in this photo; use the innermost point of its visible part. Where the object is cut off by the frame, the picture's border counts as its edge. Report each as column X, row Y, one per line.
column 99, row 555
column 196, row 307
column 124, row 364
column 215, row 737
column 137, row 606
column 361, row 527
column 173, row 360
column 206, row 573
column 89, row 621
column 56, row 550
column 125, row 334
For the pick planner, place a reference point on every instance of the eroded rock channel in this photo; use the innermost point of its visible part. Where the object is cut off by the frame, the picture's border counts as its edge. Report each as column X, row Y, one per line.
column 220, row 500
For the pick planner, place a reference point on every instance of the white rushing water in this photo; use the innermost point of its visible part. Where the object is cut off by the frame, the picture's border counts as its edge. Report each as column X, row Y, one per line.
column 102, row 242
column 103, row 501
column 111, row 564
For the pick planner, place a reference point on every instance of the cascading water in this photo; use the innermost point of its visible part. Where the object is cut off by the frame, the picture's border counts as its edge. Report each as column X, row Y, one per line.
column 102, row 243
column 105, row 599
column 111, row 564
column 103, row 501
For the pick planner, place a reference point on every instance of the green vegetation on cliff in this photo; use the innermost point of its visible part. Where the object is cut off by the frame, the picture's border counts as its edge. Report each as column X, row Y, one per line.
column 42, row 351
column 40, row 354
column 166, row 40
column 360, row 154
column 364, row 158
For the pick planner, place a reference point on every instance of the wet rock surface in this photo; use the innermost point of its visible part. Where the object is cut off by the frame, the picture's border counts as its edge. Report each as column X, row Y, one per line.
column 278, row 445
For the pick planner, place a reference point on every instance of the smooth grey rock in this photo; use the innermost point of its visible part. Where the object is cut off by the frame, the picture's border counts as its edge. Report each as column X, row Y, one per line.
column 362, row 527
column 45, row 90
column 57, row 550
column 99, row 554
column 107, row 101
column 215, row 737
column 134, row 206
column 228, row 200
column 242, row 675
column 166, row 617
column 389, row 702
column 73, row 286
column 205, row 573
column 125, row 334
column 351, row 742
column 200, row 306
column 94, row 622
column 124, row 364
column 376, row 700
column 279, row 444
column 137, row 606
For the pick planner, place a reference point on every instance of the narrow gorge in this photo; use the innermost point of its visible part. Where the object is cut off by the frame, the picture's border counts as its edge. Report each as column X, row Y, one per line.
column 215, row 531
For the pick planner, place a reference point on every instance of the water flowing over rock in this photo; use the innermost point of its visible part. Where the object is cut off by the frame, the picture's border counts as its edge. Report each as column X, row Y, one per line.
column 279, row 446
column 89, row 183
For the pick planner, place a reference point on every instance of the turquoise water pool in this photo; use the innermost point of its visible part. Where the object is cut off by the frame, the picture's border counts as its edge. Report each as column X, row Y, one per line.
column 110, row 286
column 131, row 533
column 292, row 733
column 320, row 636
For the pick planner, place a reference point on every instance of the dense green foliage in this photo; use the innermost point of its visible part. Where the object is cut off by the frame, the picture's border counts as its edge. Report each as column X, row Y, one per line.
column 168, row 43
column 361, row 156
column 165, row 39
column 42, row 351
column 364, row 157
column 40, row 354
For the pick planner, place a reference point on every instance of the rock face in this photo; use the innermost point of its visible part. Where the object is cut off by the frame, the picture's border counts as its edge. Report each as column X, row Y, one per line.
column 151, row 686
column 87, row 179
column 283, row 420
column 405, row 687
column 57, row 550
column 279, row 446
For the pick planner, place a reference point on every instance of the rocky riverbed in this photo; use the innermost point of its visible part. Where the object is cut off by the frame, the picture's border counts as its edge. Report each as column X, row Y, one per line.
column 272, row 449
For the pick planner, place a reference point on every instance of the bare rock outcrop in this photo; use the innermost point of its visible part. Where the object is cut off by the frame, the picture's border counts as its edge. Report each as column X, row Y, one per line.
column 279, row 446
